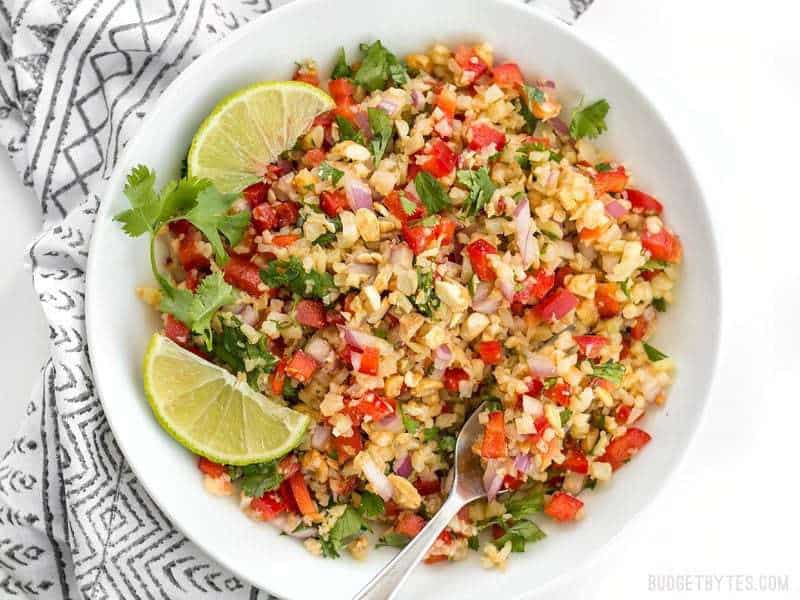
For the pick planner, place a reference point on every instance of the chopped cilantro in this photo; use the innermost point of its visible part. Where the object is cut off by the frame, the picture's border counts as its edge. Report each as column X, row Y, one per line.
column 610, row 371
column 379, row 68
column 231, row 347
column 550, row 382
column 291, row 275
column 426, row 299
column 348, row 131
column 393, row 539
column 565, row 415
column 430, row 192
column 411, row 425
column 653, row 354
column 409, row 207
column 328, row 172
column 346, row 528
column 556, row 157
column 589, row 121
column 525, row 502
column 430, row 434
column 660, row 304
column 258, row 479
column 382, row 130
column 210, row 215
column 602, row 167
column 447, row 443
column 655, row 265
column 473, row 543
column 371, row 505
column 480, row 188
column 341, row 70
column 519, row 534
column 328, row 238
column 624, row 287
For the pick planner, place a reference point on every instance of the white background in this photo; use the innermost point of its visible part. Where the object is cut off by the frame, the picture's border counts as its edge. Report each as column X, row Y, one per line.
column 726, row 73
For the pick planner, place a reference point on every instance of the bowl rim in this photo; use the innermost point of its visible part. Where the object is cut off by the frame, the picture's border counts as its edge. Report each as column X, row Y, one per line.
column 584, row 44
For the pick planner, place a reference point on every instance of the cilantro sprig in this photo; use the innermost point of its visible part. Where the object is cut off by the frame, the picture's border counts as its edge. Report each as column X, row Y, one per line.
column 341, row 70
column 430, row 192
column 610, row 371
column 200, row 203
column 480, row 188
column 233, row 348
column 590, row 120
column 290, row 274
column 379, row 67
column 382, row 130
column 258, row 479
column 326, row 171
column 426, row 299
column 347, row 527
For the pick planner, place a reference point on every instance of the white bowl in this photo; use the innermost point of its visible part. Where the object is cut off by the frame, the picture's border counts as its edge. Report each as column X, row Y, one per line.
column 119, row 325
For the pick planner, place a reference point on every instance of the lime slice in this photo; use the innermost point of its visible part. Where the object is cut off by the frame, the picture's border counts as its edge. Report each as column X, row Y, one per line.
column 249, row 130
column 211, row 412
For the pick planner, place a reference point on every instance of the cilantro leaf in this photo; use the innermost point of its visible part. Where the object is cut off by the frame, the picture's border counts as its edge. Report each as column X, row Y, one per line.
column 212, row 293
column 426, row 299
column 393, row 539
column 231, row 347
column 624, row 287
column 589, row 121
column 430, row 434
column 653, row 354
column 533, row 93
column 430, row 192
column 176, row 301
column 447, row 444
column 655, row 265
column 210, row 215
column 525, row 502
column 473, row 542
column 371, row 505
column 660, row 304
column 519, row 534
column 602, row 167
column 527, row 115
column 258, row 479
column 480, row 188
column 409, row 207
column 411, row 425
column 145, row 208
column 328, row 172
column 610, row 371
column 565, row 415
column 341, row 69
column 346, row 528
column 348, row 131
column 382, row 130
column 291, row 275
column 379, row 67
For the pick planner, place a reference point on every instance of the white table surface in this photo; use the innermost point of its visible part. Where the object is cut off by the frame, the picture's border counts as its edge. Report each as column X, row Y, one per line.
column 727, row 74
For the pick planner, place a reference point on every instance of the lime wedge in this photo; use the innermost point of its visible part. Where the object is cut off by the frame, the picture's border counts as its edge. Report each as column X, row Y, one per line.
column 249, row 130
column 211, row 412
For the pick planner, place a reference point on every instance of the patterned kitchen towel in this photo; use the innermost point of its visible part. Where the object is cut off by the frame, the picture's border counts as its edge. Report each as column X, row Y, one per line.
column 77, row 78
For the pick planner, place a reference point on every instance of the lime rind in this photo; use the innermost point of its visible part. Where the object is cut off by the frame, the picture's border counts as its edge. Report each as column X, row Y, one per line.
column 206, row 424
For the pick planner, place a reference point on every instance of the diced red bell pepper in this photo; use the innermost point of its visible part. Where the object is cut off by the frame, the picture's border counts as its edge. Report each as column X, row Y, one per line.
column 478, row 252
column 285, row 492
column 426, row 487
column 418, row 237
column 452, row 377
column 394, row 202
column 176, row 331
column 491, row 352
column 441, row 159
column 483, row 135
column 639, row 328
column 282, row 241
column 535, row 287
column 610, row 181
column 287, row 214
column 556, row 304
column 508, row 75
column 590, row 234
column 302, row 496
column 341, row 88
column 313, row 157
column 560, row 393
column 370, row 360
column 409, row 524
column 278, row 378
column 663, row 245
column 605, row 298
column 535, row 387
column 210, row 468
column 512, row 483
column 576, row 462
column 494, row 438
column 333, row 202
column 311, row 313
column 590, row 345
column 348, row 447
column 243, row 274
column 621, row 449
column 309, row 78
column 622, row 414
column 256, row 194
column 268, row 506
column 563, row 507
column 373, row 405
column 468, row 60
column 444, row 230
column 289, row 465
column 643, row 203
column 264, row 217
column 446, row 101
column 190, row 251
column 301, row 367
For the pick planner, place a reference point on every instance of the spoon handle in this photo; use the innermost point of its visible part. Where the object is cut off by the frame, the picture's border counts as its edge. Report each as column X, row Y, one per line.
column 387, row 582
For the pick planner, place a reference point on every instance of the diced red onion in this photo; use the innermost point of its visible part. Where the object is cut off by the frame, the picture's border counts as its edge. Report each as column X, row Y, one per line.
column 283, row 187
column 320, row 436
column 376, row 477
column 522, row 462
column 541, row 366
column 361, row 340
column 402, row 466
column 487, row 306
column 392, row 423
column 443, row 356
column 546, row 83
column 417, row 99
column 524, row 226
column 559, row 125
column 401, row 256
column 388, row 106
column 249, row 315
column 507, row 289
column 358, row 193
column 362, row 120
column 482, row 290
column 319, row 349
column 615, row 209
column 492, row 480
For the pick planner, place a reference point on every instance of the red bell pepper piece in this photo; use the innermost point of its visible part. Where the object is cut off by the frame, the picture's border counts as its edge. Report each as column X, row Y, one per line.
column 494, row 438
column 563, row 507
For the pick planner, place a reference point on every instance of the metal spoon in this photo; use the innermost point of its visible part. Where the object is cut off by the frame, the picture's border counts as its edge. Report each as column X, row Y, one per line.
column 467, row 486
